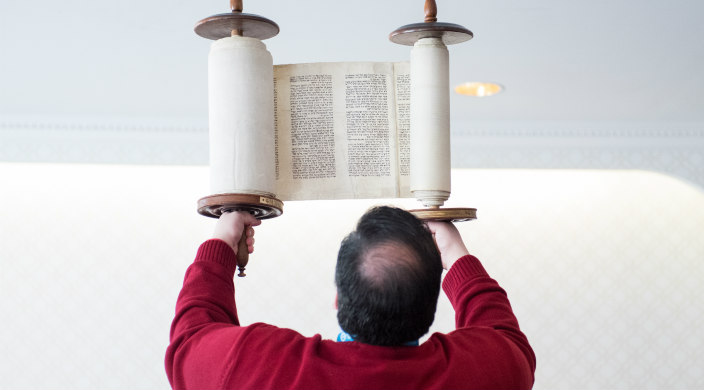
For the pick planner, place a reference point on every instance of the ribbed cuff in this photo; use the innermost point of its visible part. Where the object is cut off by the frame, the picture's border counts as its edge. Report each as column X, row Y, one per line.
column 217, row 251
column 465, row 268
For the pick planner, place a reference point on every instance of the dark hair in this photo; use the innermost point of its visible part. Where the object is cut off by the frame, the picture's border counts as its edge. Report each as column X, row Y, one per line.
column 388, row 278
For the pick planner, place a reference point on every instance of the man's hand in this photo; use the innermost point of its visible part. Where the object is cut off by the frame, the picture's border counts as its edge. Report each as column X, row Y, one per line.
column 231, row 225
column 449, row 242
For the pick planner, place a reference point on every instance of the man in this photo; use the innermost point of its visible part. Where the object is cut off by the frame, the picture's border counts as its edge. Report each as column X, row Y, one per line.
column 388, row 280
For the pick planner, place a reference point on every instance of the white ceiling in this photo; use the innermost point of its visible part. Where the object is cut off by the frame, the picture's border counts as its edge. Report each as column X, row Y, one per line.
column 598, row 61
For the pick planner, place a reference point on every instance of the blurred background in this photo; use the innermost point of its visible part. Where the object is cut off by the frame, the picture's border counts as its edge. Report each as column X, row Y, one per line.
column 587, row 173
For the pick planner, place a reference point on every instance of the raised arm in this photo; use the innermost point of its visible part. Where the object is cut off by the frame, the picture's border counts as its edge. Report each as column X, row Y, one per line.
column 478, row 299
column 202, row 332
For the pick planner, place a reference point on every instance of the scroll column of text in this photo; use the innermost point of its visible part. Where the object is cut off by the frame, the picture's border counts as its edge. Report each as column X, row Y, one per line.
column 312, row 132
column 367, row 119
column 403, row 122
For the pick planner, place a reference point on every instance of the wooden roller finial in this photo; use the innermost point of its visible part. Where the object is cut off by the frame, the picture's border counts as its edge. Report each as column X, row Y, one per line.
column 236, row 5
column 431, row 11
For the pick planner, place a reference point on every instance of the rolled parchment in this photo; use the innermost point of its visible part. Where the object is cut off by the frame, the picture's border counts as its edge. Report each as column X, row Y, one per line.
column 430, row 122
column 241, row 117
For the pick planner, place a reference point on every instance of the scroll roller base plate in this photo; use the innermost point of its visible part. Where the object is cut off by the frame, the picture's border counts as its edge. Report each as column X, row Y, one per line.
column 450, row 33
column 249, row 25
column 261, row 206
column 445, row 215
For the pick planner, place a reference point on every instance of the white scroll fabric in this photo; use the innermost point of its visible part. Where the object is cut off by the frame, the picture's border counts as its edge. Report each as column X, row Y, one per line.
column 430, row 122
column 241, row 117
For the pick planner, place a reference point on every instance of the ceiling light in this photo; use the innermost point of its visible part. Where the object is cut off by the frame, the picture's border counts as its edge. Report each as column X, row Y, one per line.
column 478, row 89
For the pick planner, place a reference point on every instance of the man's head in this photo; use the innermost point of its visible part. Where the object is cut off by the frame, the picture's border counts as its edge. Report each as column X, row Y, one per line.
column 388, row 278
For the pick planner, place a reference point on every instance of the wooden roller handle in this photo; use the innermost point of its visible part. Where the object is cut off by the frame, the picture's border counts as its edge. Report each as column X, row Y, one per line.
column 431, row 11
column 236, row 5
column 242, row 253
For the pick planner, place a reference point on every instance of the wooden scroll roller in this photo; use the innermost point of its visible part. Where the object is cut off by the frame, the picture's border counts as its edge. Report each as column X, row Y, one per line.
column 447, row 214
column 430, row 113
column 215, row 205
column 236, row 23
column 241, row 123
column 242, row 253
column 242, row 248
column 450, row 33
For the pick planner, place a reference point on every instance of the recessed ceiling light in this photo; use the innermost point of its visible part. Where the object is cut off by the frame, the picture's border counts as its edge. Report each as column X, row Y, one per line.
column 478, row 89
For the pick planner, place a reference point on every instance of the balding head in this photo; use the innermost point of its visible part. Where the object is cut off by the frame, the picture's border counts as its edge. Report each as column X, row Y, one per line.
column 384, row 262
column 388, row 278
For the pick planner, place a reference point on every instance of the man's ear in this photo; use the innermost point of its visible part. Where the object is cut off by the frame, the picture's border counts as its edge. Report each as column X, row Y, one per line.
column 335, row 301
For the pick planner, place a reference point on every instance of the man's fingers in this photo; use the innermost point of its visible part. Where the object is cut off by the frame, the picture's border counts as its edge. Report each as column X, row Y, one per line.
column 233, row 226
column 251, row 220
column 242, row 217
column 250, row 243
column 250, row 239
column 249, row 233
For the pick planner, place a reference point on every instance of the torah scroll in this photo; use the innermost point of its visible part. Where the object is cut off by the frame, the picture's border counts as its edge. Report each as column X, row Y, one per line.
column 327, row 130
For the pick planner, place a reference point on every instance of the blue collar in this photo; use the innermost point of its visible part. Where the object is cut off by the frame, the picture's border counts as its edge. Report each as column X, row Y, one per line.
column 345, row 337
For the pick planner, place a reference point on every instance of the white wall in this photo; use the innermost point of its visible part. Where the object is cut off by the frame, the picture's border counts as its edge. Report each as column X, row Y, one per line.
column 603, row 268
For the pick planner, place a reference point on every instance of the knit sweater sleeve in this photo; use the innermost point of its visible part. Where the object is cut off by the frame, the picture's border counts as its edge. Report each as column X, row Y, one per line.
column 205, row 315
column 479, row 301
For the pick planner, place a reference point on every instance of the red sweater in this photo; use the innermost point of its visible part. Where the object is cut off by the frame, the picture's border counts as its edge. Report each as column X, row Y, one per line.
column 210, row 350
